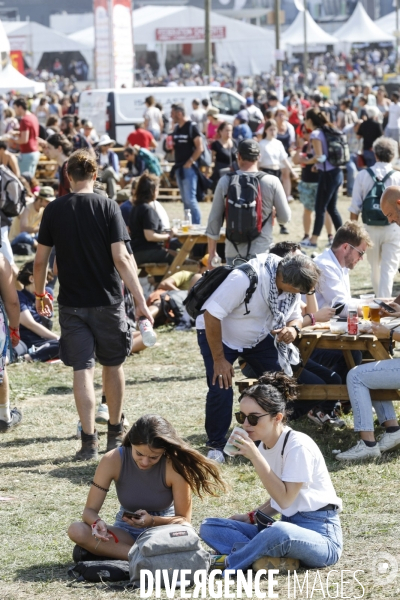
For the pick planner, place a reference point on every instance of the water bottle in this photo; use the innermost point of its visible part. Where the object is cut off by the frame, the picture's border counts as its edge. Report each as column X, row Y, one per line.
column 188, row 216
column 149, row 336
column 216, row 261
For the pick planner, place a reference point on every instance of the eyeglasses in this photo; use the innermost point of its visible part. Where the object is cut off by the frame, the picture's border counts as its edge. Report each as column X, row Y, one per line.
column 360, row 252
column 252, row 419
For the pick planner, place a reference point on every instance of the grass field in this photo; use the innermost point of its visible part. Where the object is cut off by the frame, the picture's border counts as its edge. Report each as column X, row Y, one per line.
column 48, row 490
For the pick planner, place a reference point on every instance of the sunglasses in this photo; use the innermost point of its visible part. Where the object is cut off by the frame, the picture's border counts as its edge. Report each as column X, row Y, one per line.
column 252, row 419
column 311, row 293
column 360, row 252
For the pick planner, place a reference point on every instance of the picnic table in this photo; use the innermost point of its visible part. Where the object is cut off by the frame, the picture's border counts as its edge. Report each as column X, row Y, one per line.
column 311, row 339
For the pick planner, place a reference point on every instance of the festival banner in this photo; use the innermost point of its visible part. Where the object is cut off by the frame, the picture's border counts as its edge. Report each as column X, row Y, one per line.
column 17, row 60
column 102, row 53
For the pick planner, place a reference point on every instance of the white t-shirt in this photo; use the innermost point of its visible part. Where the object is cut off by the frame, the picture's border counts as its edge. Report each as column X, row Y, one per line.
column 272, row 154
column 153, row 116
column 394, row 116
column 302, row 463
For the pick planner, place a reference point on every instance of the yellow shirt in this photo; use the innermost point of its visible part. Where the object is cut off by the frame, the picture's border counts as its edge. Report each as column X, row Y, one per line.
column 182, row 279
column 33, row 220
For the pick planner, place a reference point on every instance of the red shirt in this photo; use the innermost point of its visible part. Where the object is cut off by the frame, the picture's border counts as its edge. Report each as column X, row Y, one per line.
column 141, row 137
column 29, row 123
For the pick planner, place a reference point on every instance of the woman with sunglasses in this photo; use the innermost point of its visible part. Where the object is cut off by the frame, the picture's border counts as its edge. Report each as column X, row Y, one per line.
column 293, row 471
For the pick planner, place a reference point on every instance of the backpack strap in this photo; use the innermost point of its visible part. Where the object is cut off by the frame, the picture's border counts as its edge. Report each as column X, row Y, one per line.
column 374, row 177
column 252, row 275
column 260, row 175
column 388, row 175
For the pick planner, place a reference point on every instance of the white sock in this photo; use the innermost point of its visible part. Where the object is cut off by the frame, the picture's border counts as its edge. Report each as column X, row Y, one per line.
column 5, row 412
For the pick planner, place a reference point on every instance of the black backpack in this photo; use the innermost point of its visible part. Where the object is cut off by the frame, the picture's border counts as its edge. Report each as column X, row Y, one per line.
column 371, row 209
column 98, row 571
column 254, row 122
column 338, row 148
column 243, row 209
column 210, row 281
column 172, row 305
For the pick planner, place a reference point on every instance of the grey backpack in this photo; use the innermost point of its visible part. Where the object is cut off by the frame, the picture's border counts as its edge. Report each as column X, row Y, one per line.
column 167, row 548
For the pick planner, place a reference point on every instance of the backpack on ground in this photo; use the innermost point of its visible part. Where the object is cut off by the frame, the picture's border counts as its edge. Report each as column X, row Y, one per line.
column 338, row 148
column 210, row 281
column 172, row 305
column 12, row 193
column 371, row 209
column 151, row 161
column 205, row 158
column 97, row 571
column 170, row 548
column 243, row 209
column 254, row 122
column 21, row 249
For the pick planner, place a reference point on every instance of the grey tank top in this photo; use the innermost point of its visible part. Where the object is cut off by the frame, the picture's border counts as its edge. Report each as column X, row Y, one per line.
column 138, row 488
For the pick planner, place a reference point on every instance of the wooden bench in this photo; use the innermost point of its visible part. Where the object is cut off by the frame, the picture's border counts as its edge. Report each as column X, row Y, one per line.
column 169, row 194
column 161, row 268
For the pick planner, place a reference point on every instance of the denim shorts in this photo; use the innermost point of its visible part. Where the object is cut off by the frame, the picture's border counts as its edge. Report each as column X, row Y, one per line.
column 136, row 531
column 307, row 194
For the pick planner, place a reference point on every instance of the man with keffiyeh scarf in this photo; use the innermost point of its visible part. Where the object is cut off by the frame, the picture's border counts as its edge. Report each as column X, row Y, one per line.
column 264, row 337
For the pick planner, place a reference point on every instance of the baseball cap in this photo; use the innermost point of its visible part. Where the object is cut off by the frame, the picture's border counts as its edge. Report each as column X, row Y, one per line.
column 243, row 115
column 249, row 150
column 249, row 101
column 47, row 193
column 204, row 260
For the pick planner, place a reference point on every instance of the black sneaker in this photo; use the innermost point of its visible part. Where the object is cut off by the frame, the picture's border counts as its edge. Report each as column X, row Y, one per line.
column 16, row 418
column 79, row 554
column 283, row 230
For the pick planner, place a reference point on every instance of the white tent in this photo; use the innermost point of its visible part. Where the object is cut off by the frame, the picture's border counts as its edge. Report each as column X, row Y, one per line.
column 34, row 39
column 249, row 47
column 11, row 79
column 293, row 36
column 388, row 23
column 360, row 29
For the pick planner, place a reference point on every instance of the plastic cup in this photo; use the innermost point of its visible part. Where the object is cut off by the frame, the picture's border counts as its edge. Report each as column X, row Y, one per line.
column 230, row 449
column 366, row 300
column 365, row 311
column 374, row 313
column 185, row 226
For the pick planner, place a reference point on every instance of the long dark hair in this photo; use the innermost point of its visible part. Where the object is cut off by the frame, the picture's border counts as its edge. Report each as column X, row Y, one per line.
column 202, row 475
column 318, row 118
column 272, row 392
column 146, row 189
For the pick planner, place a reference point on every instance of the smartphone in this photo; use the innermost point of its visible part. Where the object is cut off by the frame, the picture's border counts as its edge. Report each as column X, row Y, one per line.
column 338, row 306
column 388, row 308
column 130, row 515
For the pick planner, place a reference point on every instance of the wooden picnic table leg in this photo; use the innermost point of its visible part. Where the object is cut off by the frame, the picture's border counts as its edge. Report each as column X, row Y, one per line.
column 348, row 357
column 377, row 350
column 306, row 347
column 181, row 256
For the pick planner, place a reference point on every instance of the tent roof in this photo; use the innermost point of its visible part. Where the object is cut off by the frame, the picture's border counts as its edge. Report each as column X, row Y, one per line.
column 4, row 43
column 44, row 39
column 11, row 79
column 84, row 36
column 294, row 34
column 388, row 22
column 360, row 28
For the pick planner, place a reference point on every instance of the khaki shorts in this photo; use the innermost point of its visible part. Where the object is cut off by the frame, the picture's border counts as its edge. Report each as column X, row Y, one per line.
column 101, row 333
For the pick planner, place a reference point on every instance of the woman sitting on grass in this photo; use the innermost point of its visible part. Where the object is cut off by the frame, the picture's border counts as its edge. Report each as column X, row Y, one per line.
column 154, row 472
column 293, row 471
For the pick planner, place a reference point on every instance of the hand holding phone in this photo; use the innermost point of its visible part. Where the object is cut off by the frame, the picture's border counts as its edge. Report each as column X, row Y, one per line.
column 385, row 306
column 130, row 515
column 338, row 306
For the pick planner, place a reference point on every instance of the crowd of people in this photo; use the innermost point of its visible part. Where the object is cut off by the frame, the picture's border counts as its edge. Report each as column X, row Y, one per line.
column 92, row 235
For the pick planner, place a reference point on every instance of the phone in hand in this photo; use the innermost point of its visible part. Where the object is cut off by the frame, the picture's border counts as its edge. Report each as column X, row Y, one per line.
column 388, row 308
column 338, row 306
column 130, row 515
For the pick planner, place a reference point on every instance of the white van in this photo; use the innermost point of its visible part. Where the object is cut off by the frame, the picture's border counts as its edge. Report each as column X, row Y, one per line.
column 116, row 111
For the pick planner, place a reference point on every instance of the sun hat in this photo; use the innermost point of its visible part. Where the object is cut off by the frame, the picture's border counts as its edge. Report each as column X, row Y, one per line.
column 105, row 140
column 47, row 193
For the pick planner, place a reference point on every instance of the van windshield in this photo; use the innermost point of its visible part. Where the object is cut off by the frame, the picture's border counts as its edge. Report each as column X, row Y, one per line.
column 227, row 104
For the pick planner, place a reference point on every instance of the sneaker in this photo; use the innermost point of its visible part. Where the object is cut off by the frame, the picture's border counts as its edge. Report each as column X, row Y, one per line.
column 90, row 447
column 79, row 554
column 359, row 452
column 389, row 441
column 336, row 421
column 115, row 434
column 330, row 240
column 102, row 415
column 283, row 230
column 216, row 455
column 272, row 562
column 16, row 418
column 218, row 561
column 321, row 418
column 307, row 243
column 290, row 199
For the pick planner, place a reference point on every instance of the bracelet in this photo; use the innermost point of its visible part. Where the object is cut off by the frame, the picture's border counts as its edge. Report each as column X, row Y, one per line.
column 96, row 521
column 40, row 296
column 99, row 486
column 251, row 517
column 312, row 317
column 14, row 333
column 391, row 342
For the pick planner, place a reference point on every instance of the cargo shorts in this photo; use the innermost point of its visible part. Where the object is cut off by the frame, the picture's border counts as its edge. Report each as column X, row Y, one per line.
column 100, row 332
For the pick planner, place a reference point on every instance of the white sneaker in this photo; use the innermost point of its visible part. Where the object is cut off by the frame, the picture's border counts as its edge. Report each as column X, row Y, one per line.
column 359, row 452
column 102, row 417
column 389, row 441
column 216, row 455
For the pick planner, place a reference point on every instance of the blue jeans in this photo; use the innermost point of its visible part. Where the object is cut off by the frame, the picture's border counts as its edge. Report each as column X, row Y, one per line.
column 383, row 374
column 351, row 168
column 219, row 402
column 28, row 162
column 326, row 200
column 24, row 238
column 136, row 531
column 334, row 359
column 314, row 538
column 188, row 189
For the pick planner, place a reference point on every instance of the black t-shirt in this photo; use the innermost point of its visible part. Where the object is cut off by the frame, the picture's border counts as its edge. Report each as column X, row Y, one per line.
column 307, row 174
column 369, row 130
column 143, row 216
column 183, row 141
column 82, row 228
column 224, row 156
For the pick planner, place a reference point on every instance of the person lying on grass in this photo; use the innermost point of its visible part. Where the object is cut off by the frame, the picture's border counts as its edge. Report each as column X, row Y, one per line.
column 293, row 472
column 154, row 472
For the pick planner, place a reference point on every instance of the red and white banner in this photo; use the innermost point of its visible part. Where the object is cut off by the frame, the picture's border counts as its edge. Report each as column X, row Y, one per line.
column 188, row 34
column 114, row 54
column 17, row 60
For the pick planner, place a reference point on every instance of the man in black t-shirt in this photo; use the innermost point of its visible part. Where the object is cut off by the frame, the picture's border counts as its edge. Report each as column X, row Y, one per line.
column 188, row 147
column 369, row 130
column 93, row 255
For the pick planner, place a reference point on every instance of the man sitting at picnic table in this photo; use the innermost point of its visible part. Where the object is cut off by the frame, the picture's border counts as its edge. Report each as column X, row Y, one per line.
column 263, row 334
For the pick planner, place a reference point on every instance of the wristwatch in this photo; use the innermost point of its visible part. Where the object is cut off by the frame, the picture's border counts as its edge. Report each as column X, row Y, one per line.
column 298, row 330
